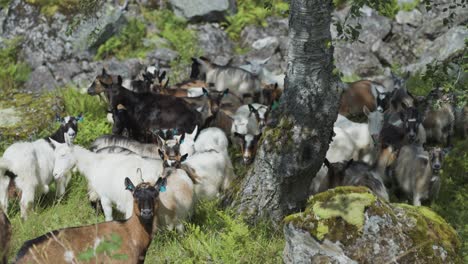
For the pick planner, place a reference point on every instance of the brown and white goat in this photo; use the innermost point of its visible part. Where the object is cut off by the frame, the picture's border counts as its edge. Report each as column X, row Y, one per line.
column 5, row 237
column 362, row 93
column 65, row 245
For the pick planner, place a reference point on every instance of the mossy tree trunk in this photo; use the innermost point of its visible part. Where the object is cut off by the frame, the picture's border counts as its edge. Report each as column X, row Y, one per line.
column 293, row 150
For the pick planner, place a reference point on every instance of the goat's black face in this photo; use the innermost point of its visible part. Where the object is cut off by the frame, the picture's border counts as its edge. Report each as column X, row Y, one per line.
column 383, row 100
column 69, row 125
column 145, row 195
column 412, row 121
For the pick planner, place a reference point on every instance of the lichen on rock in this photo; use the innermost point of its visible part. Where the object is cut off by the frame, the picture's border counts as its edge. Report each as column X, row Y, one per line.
column 352, row 225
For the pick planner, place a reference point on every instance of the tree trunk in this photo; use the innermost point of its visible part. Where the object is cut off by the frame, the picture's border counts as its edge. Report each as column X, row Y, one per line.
column 293, row 150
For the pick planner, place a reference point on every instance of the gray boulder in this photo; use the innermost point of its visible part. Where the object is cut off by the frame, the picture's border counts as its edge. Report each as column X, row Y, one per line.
column 201, row 10
column 352, row 225
column 41, row 79
column 356, row 59
column 448, row 45
column 214, row 42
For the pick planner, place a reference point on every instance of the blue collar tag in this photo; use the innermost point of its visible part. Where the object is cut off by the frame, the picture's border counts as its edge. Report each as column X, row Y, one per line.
column 162, row 189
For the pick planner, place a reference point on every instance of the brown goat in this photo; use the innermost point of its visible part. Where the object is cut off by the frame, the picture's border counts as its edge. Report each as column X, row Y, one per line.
column 5, row 237
column 355, row 97
column 271, row 95
column 65, row 245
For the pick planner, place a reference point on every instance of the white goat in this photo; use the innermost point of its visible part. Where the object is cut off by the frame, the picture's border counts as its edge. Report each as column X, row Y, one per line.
column 211, row 138
column 250, row 119
column 210, row 160
column 32, row 164
column 105, row 173
column 359, row 133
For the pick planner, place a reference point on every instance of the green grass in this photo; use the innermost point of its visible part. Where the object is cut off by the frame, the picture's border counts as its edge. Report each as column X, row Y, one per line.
column 13, row 71
column 126, row 44
column 217, row 236
column 254, row 12
column 181, row 39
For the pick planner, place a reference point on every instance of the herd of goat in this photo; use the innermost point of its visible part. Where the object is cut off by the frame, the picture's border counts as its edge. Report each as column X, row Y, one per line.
column 169, row 150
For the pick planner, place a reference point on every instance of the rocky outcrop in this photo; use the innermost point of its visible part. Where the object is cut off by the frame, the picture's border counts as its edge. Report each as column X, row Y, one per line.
column 352, row 225
column 201, row 10
column 414, row 38
column 50, row 48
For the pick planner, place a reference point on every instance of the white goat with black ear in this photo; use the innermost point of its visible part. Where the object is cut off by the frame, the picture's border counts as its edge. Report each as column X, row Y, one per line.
column 105, row 173
column 30, row 165
column 250, row 119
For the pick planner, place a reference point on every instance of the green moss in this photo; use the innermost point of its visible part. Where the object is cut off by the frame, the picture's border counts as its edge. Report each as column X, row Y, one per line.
column 127, row 44
column 431, row 229
column 350, row 78
column 28, row 106
column 337, row 214
column 66, row 7
column 281, row 135
column 350, row 207
column 408, row 6
column 254, row 12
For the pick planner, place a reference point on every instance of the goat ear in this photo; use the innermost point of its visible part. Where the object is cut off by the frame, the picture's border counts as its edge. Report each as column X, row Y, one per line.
column 161, row 154
column 327, row 163
column 161, row 141
column 181, row 139
column 184, row 157
column 252, row 109
column 366, row 110
column 194, row 132
column 162, row 76
column 119, row 80
column 79, row 117
column 129, row 185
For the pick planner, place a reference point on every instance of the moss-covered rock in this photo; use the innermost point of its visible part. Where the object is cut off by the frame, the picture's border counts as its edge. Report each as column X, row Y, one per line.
column 352, row 225
column 29, row 114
